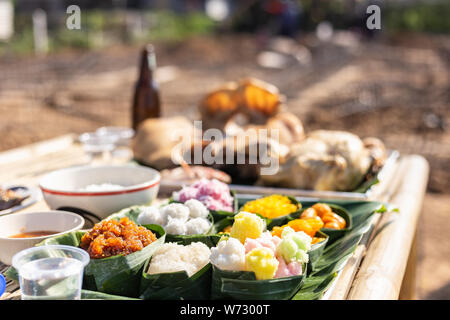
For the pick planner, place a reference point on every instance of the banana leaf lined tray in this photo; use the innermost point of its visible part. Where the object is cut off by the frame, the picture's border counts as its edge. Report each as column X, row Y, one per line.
column 333, row 258
column 317, row 280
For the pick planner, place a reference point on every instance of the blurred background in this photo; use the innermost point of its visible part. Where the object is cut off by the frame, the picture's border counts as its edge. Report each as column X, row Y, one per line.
column 391, row 83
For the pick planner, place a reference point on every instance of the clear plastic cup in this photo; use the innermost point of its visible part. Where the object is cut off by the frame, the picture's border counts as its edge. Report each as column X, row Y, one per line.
column 52, row 272
column 98, row 147
column 124, row 134
column 122, row 152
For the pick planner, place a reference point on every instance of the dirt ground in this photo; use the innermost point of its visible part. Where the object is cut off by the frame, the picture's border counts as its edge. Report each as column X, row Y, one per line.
column 394, row 88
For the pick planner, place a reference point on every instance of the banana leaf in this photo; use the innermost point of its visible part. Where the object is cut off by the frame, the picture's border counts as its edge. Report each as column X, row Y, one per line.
column 131, row 213
column 314, row 287
column 95, row 295
column 178, row 285
column 336, row 254
column 317, row 250
column 367, row 184
column 219, row 226
column 242, row 285
column 209, row 239
column 11, row 274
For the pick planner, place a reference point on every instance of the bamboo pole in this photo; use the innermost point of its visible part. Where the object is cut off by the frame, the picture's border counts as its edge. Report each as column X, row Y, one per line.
column 383, row 267
column 408, row 289
column 348, row 273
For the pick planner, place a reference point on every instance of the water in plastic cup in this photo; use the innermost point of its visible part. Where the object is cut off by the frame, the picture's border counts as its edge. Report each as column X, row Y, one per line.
column 53, row 272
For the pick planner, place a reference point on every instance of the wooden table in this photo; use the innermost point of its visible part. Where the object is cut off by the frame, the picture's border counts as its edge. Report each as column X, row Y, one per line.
column 382, row 266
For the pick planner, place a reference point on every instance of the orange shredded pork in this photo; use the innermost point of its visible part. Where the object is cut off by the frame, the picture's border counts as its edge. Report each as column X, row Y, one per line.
column 110, row 238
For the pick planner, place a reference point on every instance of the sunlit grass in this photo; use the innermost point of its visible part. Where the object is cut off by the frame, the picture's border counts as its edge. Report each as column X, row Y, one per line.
column 102, row 28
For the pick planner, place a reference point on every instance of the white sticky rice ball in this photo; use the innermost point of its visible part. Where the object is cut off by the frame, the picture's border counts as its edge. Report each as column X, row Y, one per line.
column 172, row 257
column 199, row 254
column 151, row 215
column 196, row 209
column 197, row 226
column 176, row 227
column 176, row 211
column 229, row 254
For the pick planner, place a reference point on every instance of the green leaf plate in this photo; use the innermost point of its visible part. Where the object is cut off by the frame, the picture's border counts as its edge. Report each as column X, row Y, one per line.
column 178, row 285
column 242, row 285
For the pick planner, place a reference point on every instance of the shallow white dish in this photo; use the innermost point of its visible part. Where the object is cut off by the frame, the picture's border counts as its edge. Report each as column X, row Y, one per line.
column 65, row 189
column 21, row 222
column 34, row 195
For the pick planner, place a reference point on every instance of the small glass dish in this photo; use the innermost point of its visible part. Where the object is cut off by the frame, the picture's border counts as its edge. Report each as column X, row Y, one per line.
column 123, row 134
column 51, row 272
column 122, row 152
column 98, row 147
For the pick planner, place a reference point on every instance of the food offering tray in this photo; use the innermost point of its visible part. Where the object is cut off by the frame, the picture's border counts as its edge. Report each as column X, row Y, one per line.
column 370, row 192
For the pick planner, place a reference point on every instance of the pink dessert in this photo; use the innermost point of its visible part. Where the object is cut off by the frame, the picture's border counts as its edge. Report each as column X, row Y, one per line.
column 288, row 269
column 214, row 194
column 266, row 240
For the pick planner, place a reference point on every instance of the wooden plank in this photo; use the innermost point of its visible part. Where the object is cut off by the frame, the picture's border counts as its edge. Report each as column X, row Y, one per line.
column 42, row 163
column 383, row 267
column 36, row 149
column 348, row 273
column 340, row 290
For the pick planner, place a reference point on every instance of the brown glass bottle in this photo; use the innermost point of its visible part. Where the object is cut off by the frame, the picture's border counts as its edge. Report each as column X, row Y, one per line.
column 146, row 100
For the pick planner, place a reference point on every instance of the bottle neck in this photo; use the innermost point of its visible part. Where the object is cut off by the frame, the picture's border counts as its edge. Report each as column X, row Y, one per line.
column 148, row 65
column 151, row 57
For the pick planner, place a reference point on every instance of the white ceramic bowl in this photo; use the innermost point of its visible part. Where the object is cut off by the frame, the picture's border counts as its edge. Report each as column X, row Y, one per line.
column 64, row 188
column 16, row 223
